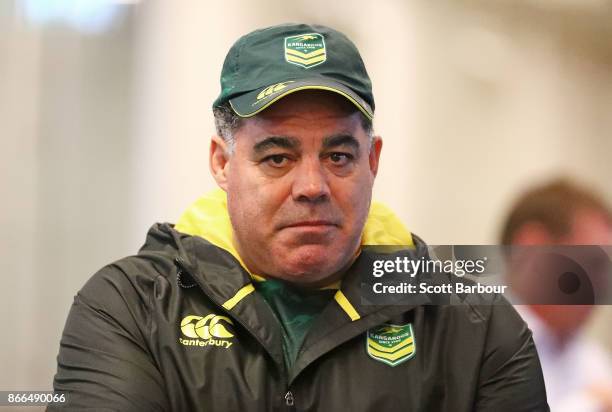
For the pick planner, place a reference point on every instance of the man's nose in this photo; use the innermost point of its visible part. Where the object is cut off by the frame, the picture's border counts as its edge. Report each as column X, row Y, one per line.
column 310, row 183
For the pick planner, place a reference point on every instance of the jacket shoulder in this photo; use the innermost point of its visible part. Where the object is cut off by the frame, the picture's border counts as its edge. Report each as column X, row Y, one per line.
column 135, row 279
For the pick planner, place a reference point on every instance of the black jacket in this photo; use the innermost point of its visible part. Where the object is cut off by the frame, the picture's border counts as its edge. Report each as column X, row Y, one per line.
column 178, row 328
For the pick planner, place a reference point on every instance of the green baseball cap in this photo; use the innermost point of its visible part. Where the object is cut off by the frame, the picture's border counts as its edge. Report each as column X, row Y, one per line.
column 268, row 64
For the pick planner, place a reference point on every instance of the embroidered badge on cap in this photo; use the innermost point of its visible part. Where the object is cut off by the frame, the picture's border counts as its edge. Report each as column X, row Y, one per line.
column 391, row 344
column 306, row 50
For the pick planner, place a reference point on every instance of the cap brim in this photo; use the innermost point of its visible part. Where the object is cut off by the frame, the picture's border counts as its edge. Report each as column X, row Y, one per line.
column 251, row 103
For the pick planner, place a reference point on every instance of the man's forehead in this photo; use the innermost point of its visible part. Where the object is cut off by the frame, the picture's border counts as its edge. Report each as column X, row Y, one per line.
column 294, row 132
column 265, row 142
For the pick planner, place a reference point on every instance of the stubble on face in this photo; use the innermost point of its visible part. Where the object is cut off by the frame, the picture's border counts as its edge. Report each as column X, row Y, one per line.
column 299, row 188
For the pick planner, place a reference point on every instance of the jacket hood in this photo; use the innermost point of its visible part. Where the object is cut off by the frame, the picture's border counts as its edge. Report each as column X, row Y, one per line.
column 208, row 218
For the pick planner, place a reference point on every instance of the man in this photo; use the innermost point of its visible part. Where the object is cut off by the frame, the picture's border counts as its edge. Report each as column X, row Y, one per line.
column 577, row 371
column 252, row 300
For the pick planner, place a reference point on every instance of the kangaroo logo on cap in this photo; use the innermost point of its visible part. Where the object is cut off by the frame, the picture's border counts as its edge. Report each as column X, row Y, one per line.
column 305, row 50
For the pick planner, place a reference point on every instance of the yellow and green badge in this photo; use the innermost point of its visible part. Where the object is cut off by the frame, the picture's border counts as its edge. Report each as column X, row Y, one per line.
column 306, row 50
column 391, row 344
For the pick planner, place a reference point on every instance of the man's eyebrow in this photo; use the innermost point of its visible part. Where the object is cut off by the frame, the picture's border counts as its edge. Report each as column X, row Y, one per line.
column 285, row 142
column 340, row 140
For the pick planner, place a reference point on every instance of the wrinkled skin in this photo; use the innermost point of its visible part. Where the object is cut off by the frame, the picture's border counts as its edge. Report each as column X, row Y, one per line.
column 299, row 185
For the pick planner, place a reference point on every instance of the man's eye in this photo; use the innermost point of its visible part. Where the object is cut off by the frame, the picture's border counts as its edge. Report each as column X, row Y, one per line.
column 340, row 159
column 276, row 160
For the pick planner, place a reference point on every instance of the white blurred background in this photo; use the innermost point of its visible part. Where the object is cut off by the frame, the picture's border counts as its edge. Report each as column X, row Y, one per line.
column 105, row 113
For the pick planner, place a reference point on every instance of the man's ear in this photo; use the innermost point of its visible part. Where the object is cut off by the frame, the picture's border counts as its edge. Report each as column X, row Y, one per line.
column 374, row 156
column 219, row 161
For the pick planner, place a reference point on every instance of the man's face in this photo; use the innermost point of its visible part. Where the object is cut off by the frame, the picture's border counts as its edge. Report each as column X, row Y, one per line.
column 299, row 184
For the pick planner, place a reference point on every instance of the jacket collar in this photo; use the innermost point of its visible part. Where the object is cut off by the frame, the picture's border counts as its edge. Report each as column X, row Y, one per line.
column 208, row 218
column 206, row 251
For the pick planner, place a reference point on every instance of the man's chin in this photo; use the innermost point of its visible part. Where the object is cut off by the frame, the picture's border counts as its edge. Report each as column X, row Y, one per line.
column 310, row 264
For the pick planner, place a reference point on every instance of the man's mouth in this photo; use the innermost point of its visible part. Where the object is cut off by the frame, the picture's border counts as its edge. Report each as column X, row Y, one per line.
column 311, row 223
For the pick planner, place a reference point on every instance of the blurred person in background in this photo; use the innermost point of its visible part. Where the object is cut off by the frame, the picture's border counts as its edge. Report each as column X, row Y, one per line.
column 577, row 370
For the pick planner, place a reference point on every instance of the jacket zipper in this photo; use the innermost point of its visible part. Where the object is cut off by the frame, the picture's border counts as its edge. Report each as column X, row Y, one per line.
column 289, row 399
